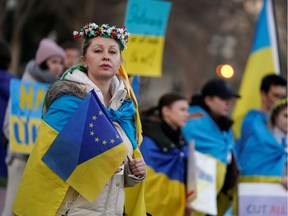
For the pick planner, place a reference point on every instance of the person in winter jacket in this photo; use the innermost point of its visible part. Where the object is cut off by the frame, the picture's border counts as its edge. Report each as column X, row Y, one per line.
column 165, row 152
column 101, row 77
column 209, row 126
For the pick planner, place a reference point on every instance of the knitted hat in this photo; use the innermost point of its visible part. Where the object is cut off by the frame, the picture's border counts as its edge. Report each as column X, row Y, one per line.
column 48, row 48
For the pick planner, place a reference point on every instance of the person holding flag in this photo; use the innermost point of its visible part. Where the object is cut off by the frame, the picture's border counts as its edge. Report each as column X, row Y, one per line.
column 87, row 147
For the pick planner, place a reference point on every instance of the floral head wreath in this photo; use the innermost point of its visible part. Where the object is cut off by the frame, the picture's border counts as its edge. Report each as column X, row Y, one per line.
column 280, row 103
column 91, row 30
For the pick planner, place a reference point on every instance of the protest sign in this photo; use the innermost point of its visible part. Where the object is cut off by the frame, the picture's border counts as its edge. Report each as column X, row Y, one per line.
column 25, row 114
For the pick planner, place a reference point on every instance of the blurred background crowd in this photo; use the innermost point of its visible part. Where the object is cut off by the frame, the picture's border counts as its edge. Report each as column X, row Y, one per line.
column 36, row 37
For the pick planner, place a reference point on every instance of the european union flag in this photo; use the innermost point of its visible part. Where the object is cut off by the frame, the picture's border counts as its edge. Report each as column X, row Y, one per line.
column 87, row 147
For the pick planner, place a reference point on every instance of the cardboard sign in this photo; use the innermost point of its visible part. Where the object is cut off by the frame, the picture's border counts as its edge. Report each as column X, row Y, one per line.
column 146, row 22
column 206, row 200
column 25, row 114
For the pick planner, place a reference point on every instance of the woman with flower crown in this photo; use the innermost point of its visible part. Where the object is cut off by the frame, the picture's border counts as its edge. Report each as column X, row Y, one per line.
column 42, row 192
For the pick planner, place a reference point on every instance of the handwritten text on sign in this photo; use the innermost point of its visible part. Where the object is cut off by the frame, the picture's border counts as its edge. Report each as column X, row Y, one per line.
column 147, row 17
column 144, row 55
column 25, row 114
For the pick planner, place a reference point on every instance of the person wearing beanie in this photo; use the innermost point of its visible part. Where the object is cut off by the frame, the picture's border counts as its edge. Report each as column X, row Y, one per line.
column 47, row 67
column 5, row 77
column 209, row 126
column 48, row 63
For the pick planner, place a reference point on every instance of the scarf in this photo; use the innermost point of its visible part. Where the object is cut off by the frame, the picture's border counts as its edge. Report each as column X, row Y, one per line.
column 124, row 116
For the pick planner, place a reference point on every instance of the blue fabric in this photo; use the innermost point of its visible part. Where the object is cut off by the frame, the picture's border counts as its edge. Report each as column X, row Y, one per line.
column 63, row 108
column 87, row 134
column 247, row 128
column 208, row 137
column 136, row 85
column 61, row 111
column 260, row 154
column 262, row 37
column 124, row 116
column 172, row 163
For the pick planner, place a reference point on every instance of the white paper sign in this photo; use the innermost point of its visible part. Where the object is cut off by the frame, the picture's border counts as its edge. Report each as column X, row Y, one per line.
column 262, row 199
column 206, row 200
column 191, row 192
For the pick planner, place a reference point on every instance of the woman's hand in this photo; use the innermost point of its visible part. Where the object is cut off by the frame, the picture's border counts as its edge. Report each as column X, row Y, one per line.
column 137, row 167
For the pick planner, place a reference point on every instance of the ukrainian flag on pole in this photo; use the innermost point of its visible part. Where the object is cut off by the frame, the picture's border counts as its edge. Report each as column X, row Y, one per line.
column 262, row 60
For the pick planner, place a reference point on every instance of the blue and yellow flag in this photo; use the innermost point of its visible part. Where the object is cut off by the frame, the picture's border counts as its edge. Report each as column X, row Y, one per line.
column 87, row 150
column 45, row 182
column 198, row 126
column 270, row 158
column 263, row 60
column 165, row 192
column 134, row 199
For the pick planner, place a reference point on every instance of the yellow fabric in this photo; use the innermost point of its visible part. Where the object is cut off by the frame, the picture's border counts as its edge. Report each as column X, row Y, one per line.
column 31, row 198
column 92, row 171
column 266, row 179
column 123, row 74
column 259, row 64
column 134, row 202
column 160, row 190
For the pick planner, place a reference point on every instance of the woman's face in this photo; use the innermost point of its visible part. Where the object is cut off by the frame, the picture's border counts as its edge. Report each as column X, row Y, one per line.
column 55, row 64
column 219, row 106
column 282, row 120
column 102, row 59
column 176, row 114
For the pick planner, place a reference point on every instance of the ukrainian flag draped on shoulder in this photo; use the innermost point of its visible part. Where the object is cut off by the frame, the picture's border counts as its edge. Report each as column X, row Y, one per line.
column 165, row 184
column 263, row 60
column 199, row 126
column 76, row 156
column 268, row 164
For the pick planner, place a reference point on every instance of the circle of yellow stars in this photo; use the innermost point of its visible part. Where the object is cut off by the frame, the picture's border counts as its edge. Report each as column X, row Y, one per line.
column 92, row 133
